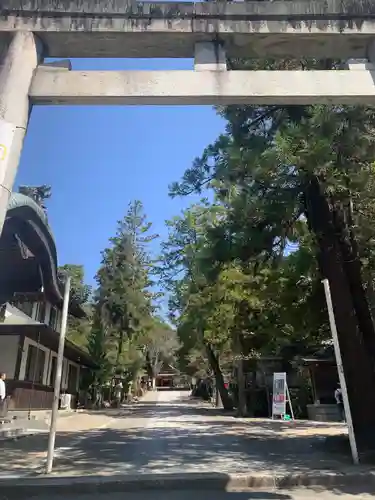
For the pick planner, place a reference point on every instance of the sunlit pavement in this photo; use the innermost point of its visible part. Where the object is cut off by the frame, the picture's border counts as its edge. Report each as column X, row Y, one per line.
column 168, row 432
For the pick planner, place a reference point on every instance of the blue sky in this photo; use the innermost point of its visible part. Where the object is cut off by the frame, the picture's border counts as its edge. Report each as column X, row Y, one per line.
column 97, row 159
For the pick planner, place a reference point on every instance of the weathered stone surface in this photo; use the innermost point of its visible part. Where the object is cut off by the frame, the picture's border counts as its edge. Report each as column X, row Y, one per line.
column 264, row 10
column 127, row 28
column 202, row 88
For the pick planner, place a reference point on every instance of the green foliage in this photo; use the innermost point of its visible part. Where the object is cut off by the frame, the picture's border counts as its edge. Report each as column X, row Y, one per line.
column 160, row 344
column 123, row 277
column 121, row 331
column 293, row 201
column 285, row 175
column 123, row 299
column 258, row 171
column 80, row 292
column 98, row 345
column 198, row 303
column 78, row 329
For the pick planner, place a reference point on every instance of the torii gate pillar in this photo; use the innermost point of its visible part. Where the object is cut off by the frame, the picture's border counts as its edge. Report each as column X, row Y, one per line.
column 18, row 61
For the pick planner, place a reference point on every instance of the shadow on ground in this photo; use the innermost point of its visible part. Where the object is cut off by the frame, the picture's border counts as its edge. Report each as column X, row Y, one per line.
column 184, row 437
column 160, row 450
column 199, row 409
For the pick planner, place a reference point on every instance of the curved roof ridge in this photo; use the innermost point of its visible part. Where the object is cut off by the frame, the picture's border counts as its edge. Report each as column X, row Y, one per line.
column 19, row 199
column 41, row 227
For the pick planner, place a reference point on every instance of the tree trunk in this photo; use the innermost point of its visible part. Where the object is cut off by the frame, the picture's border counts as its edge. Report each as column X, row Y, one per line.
column 353, row 271
column 119, row 349
column 241, row 408
column 153, row 383
column 218, row 402
column 252, row 395
column 371, row 297
column 357, row 358
column 220, row 386
column 130, row 389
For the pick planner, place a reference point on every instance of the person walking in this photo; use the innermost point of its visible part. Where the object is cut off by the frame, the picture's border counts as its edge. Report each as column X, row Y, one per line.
column 340, row 402
column 3, row 400
column 118, row 394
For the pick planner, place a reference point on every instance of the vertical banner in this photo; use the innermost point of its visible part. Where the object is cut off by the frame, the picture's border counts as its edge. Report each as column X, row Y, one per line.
column 7, row 131
column 279, row 394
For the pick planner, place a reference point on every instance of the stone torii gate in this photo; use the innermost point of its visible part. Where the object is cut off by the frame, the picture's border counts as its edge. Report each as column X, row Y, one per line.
column 31, row 30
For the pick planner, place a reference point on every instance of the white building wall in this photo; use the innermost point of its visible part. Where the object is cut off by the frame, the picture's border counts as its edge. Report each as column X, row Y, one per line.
column 8, row 354
column 52, row 355
column 24, row 359
column 64, row 375
column 58, row 322
column 34, row 314
column 13, row 315
column 47, row 364
column 48, row 312
column 9, row 347
column 78, row 374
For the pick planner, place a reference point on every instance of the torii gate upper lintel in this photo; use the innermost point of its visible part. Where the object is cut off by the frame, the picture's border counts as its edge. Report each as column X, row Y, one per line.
column 209, row 32
column 127, row 28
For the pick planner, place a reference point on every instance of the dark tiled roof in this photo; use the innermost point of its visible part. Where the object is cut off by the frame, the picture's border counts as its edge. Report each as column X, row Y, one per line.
column 28, row 221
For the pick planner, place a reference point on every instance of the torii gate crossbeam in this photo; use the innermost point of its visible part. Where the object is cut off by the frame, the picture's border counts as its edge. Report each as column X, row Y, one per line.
column 351, row 86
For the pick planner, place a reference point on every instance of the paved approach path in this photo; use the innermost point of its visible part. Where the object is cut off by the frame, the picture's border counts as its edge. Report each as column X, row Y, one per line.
column 167, row 432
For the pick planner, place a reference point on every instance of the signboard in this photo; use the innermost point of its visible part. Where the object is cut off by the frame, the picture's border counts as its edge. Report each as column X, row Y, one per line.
column 279, row 394
column 7, row 131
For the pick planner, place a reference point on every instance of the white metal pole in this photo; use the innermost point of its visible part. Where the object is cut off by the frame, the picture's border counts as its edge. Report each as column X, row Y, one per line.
column 344, row 390
column 290, row 401
column 56, row 397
